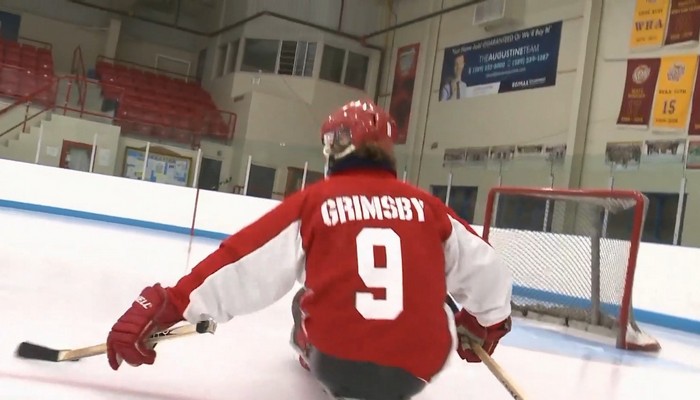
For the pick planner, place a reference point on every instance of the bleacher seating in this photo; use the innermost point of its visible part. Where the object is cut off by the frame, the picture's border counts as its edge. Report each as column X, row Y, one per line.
column 25, row 70
column 155, row 104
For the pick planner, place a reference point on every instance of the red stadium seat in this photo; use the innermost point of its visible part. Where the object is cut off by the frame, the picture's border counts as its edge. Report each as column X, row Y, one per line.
column 10, row 79
column 161, row 105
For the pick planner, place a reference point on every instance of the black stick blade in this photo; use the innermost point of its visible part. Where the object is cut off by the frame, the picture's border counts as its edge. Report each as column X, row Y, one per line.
column 37, row 352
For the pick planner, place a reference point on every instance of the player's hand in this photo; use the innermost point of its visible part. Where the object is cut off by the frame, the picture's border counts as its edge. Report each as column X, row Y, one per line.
column 151, row 312
column 470, row 331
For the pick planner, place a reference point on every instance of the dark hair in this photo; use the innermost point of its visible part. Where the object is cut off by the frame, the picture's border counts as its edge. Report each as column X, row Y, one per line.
column 375, row 152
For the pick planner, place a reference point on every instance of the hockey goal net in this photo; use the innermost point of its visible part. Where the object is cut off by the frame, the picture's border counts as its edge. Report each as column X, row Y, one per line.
column 565, row 264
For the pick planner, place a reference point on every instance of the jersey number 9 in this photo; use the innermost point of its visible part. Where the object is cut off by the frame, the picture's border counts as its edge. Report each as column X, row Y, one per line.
column 389, row 278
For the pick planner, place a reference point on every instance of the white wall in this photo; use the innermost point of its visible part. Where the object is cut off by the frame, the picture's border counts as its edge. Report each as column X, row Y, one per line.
column 665, row 282
column 608, row 91
column 66, row 25
column 281, row 132
column 47, row 138
column 135, row 49
column 13, row 117
column 268, row 27
column 279, row 116
column 359, row 17
column 538, row 116
column 65, row 37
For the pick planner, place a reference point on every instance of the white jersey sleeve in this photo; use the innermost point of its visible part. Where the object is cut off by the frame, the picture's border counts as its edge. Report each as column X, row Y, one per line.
column 476, row 277
column 250, row 270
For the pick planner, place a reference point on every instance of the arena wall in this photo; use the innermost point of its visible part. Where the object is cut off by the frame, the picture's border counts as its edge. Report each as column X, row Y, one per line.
column 664, row 289
column 608, row 91
column 545, row 116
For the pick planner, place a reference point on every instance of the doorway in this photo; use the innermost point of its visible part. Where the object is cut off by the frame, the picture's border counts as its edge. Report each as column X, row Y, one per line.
column 75, row 156
column 295, row 176
column 201, row 63
column 261, row 181
column 209, row 174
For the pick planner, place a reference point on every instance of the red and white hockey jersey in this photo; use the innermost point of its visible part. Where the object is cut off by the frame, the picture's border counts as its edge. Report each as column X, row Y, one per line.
column 377, row 257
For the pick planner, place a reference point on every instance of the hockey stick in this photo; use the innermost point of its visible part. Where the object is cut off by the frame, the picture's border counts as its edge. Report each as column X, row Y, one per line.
column 490, row 363
column 37, row 352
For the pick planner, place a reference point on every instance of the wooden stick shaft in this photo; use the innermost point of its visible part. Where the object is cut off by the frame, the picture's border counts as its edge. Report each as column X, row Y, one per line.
column 498, row 372
column 491, row 364
column 91, row 351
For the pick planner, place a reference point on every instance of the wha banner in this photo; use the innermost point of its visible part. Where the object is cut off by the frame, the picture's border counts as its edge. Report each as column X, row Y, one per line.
column 649, row 25
column 640, row 83
column 521, row 60
column 683, row 21
column 674, row 92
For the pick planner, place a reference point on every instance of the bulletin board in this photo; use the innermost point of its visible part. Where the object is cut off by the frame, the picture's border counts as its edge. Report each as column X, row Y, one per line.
column 164, row 166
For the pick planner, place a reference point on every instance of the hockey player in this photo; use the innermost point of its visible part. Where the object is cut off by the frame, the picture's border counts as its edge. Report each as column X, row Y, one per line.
column 375, row 258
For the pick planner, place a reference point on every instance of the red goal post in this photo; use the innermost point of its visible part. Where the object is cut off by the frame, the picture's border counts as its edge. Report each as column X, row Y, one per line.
column 564, row 265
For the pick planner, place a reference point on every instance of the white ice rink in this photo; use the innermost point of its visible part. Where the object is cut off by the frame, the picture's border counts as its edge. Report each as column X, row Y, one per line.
column 64, row 281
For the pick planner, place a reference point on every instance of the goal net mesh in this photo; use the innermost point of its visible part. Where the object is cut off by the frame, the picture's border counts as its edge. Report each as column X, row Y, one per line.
column 564, row 263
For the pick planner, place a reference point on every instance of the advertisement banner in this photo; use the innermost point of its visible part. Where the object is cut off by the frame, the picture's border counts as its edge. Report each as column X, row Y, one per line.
column 638, row 98
column 683, row 21
column 649, row 25
column 525, row 59
column 402, row 92
column 674, row 92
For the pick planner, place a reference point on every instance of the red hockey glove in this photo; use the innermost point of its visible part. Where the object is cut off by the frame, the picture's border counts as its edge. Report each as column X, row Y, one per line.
column 470, row 331
column 151, row 312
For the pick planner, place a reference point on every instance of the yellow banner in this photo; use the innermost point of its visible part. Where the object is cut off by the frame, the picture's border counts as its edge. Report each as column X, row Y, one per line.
column 674, row 91
column 649, row 25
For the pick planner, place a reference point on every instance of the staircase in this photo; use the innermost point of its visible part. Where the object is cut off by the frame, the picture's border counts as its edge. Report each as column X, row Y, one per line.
column 22, row 146
column 16, row 117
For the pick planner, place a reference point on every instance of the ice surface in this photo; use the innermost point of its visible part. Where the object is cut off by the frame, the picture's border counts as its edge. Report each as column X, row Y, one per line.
column 64, row 281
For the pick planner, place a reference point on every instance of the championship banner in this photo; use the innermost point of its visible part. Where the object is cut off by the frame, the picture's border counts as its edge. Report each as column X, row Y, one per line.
column 649, row 23
column 402, row 92
column 694, row 125
column 674, row 91
column 683, row 21
column 525, row 59
column 638, row 99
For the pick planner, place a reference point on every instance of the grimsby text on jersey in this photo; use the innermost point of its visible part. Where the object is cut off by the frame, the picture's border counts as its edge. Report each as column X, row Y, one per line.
column 359, row 208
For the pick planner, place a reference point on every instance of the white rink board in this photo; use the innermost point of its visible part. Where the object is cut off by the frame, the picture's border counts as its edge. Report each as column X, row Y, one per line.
column 666, row 278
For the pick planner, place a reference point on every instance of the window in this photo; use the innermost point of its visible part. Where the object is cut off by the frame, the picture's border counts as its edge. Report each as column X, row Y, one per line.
column 523, row 212
column 356, row 70
column 305, row 57
column 659, row 224
column 462, row 199
column 332, row 64
column 221, row 59
column 260, row 55
column 288, row 54
column 232, row 56
column 297, row 58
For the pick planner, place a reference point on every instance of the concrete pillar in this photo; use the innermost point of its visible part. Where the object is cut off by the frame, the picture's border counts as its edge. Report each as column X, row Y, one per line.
column 583, row 90
column 112, row 41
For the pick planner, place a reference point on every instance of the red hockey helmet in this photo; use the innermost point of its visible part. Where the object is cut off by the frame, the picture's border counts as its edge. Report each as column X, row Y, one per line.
column 355, row 123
